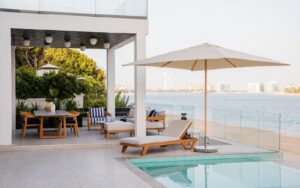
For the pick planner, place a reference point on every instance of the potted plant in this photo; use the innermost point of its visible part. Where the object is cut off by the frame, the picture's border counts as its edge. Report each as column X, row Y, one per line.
column 51, row 99
column 71, row 105
column 122, row 104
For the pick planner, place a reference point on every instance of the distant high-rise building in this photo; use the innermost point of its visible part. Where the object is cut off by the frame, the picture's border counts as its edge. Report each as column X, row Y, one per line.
column 272, row 87
column 223, row 88
column 256, row 87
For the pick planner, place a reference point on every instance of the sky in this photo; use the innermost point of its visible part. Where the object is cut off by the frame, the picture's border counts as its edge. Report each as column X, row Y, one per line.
column 268, row 28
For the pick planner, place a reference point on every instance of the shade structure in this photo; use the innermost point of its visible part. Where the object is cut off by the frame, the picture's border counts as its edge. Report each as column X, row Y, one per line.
column 206, row 57
column 49, row 66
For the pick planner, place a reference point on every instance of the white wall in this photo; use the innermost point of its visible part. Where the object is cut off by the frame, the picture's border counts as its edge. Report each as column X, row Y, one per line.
column 9, row 20
column 73, row 23
column 140, row 87
column 6, row 84
column 41, row 102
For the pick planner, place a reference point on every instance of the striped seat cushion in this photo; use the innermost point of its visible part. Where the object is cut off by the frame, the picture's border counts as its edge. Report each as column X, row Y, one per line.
column 97, row 112
column 70, row 120
column 98, row 119
column 32, row 121
column 153, row 113
column 97, row 115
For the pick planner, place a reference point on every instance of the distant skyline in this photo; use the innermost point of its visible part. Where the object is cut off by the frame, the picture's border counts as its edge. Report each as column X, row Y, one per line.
column 267, row 28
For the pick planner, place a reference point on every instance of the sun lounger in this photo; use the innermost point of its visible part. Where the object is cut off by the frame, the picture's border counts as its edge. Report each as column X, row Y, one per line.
column 118, row 127
column 173, row 135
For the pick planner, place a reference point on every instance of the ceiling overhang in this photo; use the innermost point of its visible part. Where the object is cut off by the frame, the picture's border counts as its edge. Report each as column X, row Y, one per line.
column 37, row 38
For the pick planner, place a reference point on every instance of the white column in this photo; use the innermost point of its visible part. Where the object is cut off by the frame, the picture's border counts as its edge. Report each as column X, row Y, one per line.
column 6, row 87
column 140, row 87
column 13, row 88
column 110, row 68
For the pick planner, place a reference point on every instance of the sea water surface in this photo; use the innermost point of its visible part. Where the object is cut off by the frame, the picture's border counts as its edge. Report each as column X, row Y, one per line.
column 284, row 108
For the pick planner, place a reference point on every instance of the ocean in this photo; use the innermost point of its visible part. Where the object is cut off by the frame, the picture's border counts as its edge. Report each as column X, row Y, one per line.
column 279, row 109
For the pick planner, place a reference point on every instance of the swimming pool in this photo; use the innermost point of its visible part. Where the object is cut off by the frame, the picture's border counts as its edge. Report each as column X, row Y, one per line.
column 232, row 171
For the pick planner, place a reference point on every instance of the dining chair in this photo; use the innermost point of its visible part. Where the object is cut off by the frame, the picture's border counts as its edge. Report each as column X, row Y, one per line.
column 29, row 120
column 72, row 122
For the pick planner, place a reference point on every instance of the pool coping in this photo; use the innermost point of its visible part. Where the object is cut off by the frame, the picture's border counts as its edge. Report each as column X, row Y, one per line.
column 140, row 173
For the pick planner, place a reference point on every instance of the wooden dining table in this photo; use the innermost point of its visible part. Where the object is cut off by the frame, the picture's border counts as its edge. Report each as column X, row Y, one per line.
column 60, row 114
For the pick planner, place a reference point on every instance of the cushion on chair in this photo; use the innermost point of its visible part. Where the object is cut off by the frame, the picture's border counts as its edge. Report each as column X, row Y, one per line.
column 153, row 113
column 33, row 121
column 131, row 113
column 132, row 120
column 154, row 124
column 118, row 126
column 177, row 128
column 70, row 120
column 98, row 119
column 161, row 112
column 97, row 112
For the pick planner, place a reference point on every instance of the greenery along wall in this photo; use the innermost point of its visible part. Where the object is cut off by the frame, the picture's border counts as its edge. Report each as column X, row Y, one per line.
column 72, row 65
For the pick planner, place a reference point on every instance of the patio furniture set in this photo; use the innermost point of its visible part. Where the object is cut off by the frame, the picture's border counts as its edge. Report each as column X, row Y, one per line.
column 174, row 134
column 63, row 119
column 95, row 117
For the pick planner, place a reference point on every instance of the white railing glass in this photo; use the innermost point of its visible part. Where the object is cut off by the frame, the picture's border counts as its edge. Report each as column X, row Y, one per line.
column 113, row 8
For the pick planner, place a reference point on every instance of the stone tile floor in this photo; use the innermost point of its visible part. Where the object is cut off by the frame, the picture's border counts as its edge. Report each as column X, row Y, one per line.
column 88, row 161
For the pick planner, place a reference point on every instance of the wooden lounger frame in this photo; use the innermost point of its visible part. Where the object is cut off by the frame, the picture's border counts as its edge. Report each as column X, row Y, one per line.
column 182, row 141
column 108, row 132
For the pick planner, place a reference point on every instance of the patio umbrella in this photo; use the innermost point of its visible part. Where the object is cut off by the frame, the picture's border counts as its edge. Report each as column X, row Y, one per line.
column 206, row 57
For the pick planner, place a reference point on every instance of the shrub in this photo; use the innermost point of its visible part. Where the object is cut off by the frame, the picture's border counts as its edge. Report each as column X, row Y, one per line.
column 71, row 105
column 96, row 93
column 34, row 107
column 27, row 83
column 22, row 107
column 50, row 86
column 122, row 101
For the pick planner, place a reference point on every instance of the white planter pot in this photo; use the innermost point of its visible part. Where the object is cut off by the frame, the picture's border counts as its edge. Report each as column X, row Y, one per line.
column 52, row 107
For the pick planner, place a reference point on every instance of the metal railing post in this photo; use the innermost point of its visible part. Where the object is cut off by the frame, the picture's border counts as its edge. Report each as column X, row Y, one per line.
column 279, row 139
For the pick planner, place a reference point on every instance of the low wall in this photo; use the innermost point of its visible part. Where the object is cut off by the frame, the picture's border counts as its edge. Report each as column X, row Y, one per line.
column 41, row 102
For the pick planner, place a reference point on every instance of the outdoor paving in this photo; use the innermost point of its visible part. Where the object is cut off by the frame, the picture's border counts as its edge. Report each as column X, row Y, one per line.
column 90, row 161
column 80, row 167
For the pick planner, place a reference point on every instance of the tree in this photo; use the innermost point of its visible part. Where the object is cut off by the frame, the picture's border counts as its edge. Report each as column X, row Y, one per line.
column 74, row 62
column 70, row 61
column 51, row 86
column 27, row 83
column 31, row 57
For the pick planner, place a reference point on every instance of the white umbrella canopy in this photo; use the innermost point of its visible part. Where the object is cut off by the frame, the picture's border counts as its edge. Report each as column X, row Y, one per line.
column 194, row 58
column 206, row 57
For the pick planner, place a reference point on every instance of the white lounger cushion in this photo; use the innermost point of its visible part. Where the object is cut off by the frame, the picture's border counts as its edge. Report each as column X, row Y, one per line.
column 172, row 133
column 118, row 125
column 177, row 128
column 154, row 124
column 147, row 139
column 132, row 120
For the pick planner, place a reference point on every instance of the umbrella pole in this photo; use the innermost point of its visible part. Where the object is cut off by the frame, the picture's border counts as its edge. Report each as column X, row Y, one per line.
column 204, row 148
column 205, row 103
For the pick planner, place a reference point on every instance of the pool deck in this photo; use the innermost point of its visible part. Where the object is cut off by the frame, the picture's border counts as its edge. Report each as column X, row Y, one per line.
column 89, row 161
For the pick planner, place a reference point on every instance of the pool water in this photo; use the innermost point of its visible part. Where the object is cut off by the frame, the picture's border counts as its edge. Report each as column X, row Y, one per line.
column 219, row 172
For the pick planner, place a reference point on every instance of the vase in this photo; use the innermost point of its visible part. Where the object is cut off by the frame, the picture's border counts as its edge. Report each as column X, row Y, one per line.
column 50, row 107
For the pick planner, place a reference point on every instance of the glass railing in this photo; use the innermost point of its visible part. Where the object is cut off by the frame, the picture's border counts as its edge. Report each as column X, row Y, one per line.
column 257, row 129
column 174, row 111
column 114, row 8
column 261, row 129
